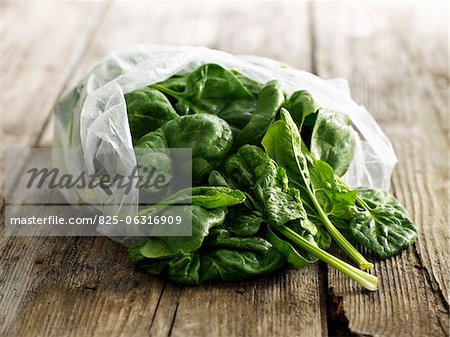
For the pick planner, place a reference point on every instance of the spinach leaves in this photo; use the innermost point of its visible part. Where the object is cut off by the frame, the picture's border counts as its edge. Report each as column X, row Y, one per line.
column 212, row 252
column 269, row 102
column 266, row 175
column 333, row 140
column 208, row 136
column 212, row 89
column 327, row 133
column 319, row 196
column 148, row 110
column 382, row 224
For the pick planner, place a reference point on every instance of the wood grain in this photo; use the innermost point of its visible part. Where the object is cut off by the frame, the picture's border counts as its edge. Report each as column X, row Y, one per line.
column 37, row 57
column 401, row 79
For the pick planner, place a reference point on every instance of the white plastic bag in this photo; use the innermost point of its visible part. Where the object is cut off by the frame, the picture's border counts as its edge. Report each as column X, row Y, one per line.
column 93, row 117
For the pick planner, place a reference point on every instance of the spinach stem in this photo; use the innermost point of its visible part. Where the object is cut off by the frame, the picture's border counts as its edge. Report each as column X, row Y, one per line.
column 174, row 94
column 360, row 201
column 366, row 280
column 345, row 245
column 166, row 90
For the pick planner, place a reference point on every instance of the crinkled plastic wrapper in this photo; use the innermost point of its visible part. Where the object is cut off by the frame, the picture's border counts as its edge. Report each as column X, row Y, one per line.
column 93, row 116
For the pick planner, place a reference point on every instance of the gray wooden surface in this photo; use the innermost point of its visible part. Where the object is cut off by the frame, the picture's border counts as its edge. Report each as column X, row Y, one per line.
column 395, row 57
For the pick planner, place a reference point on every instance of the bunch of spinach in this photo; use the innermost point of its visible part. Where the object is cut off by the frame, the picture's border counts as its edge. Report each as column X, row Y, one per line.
column 267, row 189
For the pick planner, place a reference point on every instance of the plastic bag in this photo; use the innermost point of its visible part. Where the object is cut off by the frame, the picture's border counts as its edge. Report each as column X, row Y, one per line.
column 93, row 116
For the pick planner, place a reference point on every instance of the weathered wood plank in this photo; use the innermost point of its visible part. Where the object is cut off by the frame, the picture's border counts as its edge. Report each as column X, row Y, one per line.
column 37, row 57
column 389, row 54
column 283, row 304
column 63, row 289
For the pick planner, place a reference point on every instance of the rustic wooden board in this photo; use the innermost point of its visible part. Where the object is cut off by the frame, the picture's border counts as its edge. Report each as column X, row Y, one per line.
column 390, row 57
column 38, row 55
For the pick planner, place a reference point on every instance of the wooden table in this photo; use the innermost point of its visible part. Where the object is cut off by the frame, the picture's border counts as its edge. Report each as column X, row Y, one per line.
column 395, row 57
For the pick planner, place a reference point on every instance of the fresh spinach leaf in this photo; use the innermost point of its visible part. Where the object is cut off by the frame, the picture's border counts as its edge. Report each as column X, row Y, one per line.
column 148, row 109
column 222, row 257
column 269, row 102
column 208, row 136
column 252, row 86
column 336, row 199
column 251, row 170
column 175, row 83
column 242, row 221
column 383, row 225
column 326, row 133
column 226, row 265
column 183, row 269
column 214, row 90
column 206, row 196
column 333, row 140
column 169, row 246
column 300, row 105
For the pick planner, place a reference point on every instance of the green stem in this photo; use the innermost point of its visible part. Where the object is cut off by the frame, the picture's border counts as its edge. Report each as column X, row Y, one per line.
column 360, row 201
column 177, row 95
column 346, row 246
column 366, row 280
column 167, row 90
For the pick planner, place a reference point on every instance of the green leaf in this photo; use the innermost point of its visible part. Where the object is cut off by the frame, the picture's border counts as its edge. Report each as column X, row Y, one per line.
column 384, row 225
column 217, row 179
column 327, row 133
column 222, row 258
column 300, row 105
column 323, row 238
column 225, row 265
column 183, row 270
column 284, row 144
column 269, row 102
column 222, row 238
column 169, row 246
column 214, row 90
column 252, row 171
column 336, row 199
column 243, row 222
column 333, row 140
column 176, row 83
column 252, row 86
column 148, row 109
column 207, row 197
column 208, row 136
column 215, row 197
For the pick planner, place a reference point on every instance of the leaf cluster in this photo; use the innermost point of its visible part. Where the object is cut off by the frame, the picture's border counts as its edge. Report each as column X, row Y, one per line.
column 267, row 189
